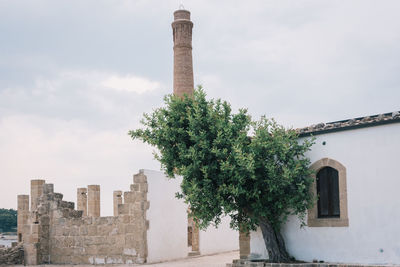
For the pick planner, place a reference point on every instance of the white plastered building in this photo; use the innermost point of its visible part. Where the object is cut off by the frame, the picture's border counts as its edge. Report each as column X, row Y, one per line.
column 357, row 216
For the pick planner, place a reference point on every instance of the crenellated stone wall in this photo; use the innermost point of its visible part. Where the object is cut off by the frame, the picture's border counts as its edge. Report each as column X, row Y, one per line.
column 57, row 233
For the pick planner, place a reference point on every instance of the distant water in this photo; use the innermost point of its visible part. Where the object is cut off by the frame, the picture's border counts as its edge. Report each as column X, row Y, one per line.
column 7, row 242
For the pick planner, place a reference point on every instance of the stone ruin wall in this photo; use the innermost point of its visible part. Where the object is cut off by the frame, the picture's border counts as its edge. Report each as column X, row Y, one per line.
column 54, row 232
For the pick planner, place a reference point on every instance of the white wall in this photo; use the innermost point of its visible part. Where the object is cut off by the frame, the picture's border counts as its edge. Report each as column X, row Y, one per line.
column 167, row 234
column 167, row 215
column 221, row 239
column 371, row 157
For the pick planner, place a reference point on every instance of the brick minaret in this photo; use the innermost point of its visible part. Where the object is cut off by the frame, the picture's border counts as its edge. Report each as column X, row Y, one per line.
column 183, row 65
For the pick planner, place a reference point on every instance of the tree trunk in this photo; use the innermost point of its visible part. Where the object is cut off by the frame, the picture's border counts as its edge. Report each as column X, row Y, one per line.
column 274, row 243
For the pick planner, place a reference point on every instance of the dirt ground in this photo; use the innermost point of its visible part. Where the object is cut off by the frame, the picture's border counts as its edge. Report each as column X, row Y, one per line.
column 218, row 260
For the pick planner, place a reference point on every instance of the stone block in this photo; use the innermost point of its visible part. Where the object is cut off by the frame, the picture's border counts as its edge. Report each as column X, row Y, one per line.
column 56, row 258
column 144, row 187
column 92, row 230
column 66, row 231
column 129, row 228
column 123, row 209
column 114, row 259
column 58, row 196
column 83, row 230
column 103, row 249
column 139, row 178
column 87, row 220
column 120, row 240
column 42, row 209
column 34, row 229
column 129, row 252
column 110, row 240
column 103, row 220
column 79, row 241
column 77, row 221
column 61, row 221
column 65, row 259
column 104, row 230
column 26, row 229
column 68, row 251
column 139, row 205
column 57, row 243
column 139, row 214
column 129, row 197
column 99, row 260
column 111, row 220
column 74, row 230
column 65, row 213
column 33, row 239
column 67, row 205
column 79, row 259
column 120, row 228
column 142, row 253
column 94, row 200
column 139, row 260
column 91, row 249
column 99, row 240
column 140, row 196
column 44, row 230
column 95, row 220
column 57, row 230
column 48, row 188
column 125, row 219
column 68, row 242
column 134, row 187
column 130, row 240
column 114, row 230
column 114, row 250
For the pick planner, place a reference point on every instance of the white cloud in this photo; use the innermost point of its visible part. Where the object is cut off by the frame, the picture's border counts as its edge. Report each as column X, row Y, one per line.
column 68, row 154
column 130, row 83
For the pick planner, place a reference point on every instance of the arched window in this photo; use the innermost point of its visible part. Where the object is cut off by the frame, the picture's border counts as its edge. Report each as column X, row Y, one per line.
column 328, row 193
column 330, row 187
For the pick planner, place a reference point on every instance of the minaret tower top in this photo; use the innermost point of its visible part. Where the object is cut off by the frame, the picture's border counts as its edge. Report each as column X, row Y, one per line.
column 183, row 65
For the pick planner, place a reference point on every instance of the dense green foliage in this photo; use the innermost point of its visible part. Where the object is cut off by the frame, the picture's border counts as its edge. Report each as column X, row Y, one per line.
column 226, row 172
column 8, row 220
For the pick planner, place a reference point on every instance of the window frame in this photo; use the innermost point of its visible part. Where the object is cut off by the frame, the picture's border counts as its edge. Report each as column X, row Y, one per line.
column 343, row 221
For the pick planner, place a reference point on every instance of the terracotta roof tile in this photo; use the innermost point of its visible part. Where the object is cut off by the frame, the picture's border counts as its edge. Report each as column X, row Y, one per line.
column 349, row 124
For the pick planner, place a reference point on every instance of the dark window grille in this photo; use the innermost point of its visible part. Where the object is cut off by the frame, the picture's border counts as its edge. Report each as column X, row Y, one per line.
column 328, row 193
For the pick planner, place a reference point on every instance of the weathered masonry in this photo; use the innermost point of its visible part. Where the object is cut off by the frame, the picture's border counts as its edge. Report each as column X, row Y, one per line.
column 150, row 225
column 52, row 231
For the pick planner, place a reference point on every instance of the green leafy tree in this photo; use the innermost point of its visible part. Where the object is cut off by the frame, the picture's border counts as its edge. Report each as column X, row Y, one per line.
column 257, row 181
column 8, row 220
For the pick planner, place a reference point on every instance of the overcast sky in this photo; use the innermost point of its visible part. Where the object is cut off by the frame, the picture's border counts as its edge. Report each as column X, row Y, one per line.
column 75, row 76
